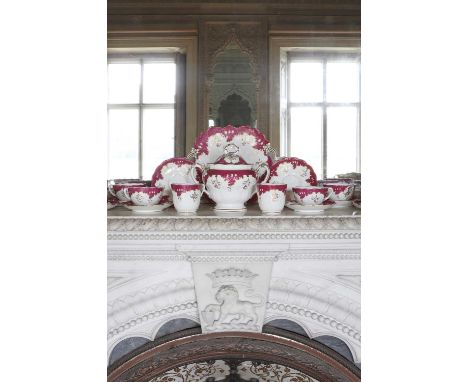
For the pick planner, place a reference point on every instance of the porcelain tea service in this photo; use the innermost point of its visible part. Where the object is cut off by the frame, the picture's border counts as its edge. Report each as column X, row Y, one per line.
column 234, row 165
column 230, row 182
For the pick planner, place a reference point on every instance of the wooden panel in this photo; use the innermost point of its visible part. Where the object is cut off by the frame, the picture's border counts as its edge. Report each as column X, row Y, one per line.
column 241, row 7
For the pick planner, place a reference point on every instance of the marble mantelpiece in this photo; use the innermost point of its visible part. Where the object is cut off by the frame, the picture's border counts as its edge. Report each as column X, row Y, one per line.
column 314, row 261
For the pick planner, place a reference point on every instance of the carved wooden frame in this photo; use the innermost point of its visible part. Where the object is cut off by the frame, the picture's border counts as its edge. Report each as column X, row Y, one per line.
column 251, row 36
column 276, row 346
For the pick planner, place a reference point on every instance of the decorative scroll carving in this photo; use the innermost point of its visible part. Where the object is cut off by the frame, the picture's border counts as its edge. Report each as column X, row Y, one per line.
column 195, row 372
column 233, row 371
column 273, row 372
column 203, row 225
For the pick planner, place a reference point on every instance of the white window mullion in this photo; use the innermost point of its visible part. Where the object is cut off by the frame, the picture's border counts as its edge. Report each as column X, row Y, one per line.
column 324, row 122
column 140, row 142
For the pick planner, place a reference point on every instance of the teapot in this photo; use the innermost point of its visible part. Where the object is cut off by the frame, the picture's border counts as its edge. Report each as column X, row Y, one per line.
column 230, row 181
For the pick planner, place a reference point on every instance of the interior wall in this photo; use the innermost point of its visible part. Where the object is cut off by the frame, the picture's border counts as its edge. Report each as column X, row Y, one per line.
column 257, row 21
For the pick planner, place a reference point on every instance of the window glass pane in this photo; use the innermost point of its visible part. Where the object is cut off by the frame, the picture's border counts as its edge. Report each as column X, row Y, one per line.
column 341, row 140
column 159, row 82
column 158, row 138
column 306, row 136
column 306, row 82
column 123, row 143
column 342, row 82
column 124, row 83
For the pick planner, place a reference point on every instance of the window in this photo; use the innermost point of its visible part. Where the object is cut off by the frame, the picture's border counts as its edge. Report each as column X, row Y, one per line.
column 141, row 114
column 323, row 111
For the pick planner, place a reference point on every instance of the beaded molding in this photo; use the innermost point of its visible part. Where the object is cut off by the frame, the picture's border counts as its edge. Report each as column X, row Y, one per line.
column 323, row 319
column 149, row 316
column 237, row 236
column 240, row 258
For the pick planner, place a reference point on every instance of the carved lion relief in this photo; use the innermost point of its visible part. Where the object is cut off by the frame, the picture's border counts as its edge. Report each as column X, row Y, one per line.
column 231, row 312
column 232, row 298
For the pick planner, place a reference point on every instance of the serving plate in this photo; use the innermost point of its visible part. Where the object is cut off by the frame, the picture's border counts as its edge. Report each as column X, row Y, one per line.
column 308, row 209
column 172, row 170
column 252, row 144
column 292, row 171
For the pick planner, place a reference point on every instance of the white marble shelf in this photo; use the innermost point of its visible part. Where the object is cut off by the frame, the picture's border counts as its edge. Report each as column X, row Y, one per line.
column 123, row 224
column 253, row 211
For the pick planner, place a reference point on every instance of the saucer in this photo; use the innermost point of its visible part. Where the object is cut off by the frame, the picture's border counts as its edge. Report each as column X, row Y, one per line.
column 308, row 209
column 147, row 209
column 343, row 203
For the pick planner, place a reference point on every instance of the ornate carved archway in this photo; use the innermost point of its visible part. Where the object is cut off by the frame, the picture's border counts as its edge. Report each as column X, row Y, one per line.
column 277, row 347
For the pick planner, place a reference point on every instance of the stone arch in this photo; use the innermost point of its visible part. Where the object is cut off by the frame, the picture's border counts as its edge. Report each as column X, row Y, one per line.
column 276, row 346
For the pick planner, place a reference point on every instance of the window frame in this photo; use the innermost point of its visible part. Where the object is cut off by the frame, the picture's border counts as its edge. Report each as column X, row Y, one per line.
column 322, row 57
column 129, row 42
column 141, row 59
column 279, row 45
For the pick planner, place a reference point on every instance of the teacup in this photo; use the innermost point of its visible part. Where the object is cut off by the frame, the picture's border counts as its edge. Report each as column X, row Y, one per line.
column 271, row 197
column 143, row 196
column 340, row 191
column 186, row 197
column 117, row 190
column 311, row 195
